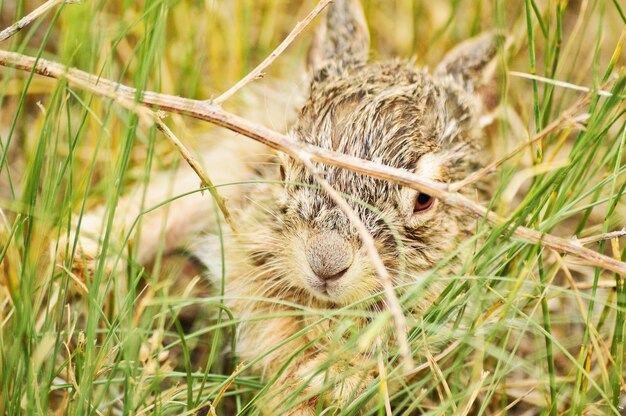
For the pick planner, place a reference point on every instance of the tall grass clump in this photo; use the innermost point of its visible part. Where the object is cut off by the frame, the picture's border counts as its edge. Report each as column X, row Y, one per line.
column 521, row 330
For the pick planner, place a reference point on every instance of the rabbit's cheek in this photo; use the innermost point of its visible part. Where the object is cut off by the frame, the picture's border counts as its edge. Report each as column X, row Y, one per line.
column 296, row 262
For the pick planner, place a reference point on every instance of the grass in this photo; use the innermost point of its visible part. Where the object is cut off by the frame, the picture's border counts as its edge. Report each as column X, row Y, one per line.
column 526, row 339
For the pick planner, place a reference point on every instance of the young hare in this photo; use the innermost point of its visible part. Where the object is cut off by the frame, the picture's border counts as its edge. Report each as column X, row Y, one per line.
column 296, row 247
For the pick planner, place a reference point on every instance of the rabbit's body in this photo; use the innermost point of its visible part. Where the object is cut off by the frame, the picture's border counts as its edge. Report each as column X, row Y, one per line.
column 359, row 115
column 296, row 250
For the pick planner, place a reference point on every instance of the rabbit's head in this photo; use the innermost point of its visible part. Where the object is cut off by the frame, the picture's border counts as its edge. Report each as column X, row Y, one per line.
column 390, row 113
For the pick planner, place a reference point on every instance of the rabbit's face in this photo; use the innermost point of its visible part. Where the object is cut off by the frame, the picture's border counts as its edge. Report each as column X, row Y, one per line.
column 390, row 114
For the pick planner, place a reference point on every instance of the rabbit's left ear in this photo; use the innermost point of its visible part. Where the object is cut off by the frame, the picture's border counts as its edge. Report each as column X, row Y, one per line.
column 469, row 62
column 342, row 39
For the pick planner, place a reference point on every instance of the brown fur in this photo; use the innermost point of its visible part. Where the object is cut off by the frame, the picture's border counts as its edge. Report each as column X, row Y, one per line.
column 388, row 112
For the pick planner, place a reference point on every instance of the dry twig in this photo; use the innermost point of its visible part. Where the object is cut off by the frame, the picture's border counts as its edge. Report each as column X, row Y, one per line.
column 258, row 71
column 212, row 113
column 562, row 84
column 568, row 117
column 383, row 274
column 602, row 237
column 193, row 163
column 31, row 17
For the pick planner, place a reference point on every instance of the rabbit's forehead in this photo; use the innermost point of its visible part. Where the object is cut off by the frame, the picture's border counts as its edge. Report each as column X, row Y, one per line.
column 392, row 133
column 388, row 119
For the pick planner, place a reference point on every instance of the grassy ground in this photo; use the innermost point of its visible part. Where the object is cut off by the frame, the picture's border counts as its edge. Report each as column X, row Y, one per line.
column 535, row 332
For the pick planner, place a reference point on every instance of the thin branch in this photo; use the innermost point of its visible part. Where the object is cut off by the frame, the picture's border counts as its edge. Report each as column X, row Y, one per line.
column 377, row 262
column 31, row 17
column 601, row 237
column 193, row 163
column 216, row 115
column 148, row 116
column 557, row 83
column 258, row 71
column 568, row 117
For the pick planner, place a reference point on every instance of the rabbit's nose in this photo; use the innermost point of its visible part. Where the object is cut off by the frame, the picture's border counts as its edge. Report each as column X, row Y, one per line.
column 329, row 255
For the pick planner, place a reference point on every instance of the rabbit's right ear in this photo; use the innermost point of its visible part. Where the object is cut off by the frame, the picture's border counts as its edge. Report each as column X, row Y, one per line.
column 342, row 39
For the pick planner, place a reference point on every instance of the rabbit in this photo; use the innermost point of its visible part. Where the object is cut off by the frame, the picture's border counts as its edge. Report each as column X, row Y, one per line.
column 294, row 248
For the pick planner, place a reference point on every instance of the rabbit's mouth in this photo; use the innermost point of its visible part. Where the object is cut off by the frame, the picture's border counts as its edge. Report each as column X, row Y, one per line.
column 327, row 290
column 354, row 285
column 339, row 294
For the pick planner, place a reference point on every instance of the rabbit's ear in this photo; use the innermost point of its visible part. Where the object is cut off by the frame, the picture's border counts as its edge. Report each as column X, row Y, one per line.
column 469, row 61
column 342, row 39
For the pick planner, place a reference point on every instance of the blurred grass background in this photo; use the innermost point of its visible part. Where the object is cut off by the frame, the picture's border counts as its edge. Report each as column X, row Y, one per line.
column 140, row 344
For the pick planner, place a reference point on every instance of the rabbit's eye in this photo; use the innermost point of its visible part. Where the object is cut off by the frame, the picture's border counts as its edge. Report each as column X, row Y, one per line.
column 281, row 172
column 423, row 202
